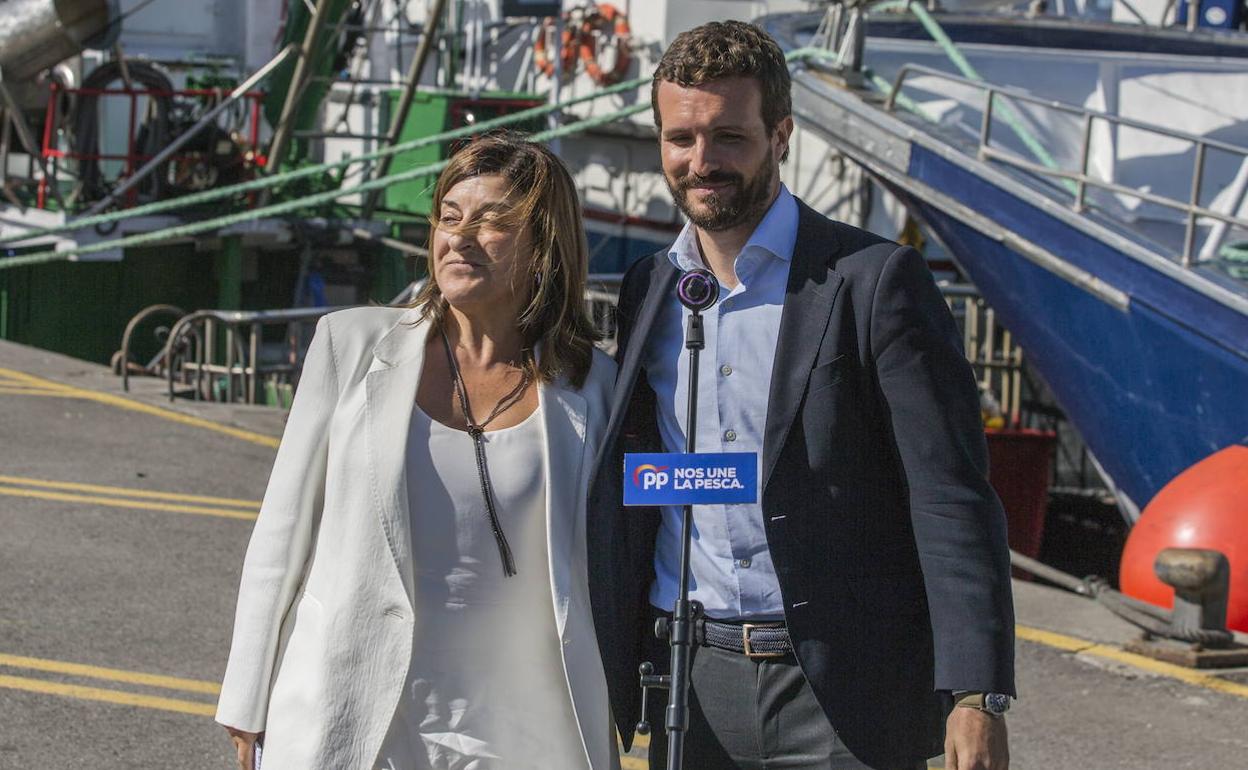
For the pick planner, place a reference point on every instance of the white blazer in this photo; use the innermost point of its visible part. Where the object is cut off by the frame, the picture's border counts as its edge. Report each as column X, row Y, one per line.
column 323, row 632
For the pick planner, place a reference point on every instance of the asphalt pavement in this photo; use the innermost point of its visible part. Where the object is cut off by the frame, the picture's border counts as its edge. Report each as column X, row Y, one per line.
column 125, row 519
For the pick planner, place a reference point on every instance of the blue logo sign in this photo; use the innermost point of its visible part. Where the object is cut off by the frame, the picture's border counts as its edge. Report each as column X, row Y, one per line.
column 690, row 479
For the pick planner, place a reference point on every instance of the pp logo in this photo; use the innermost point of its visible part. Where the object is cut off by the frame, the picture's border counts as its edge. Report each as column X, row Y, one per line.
column 651, row 476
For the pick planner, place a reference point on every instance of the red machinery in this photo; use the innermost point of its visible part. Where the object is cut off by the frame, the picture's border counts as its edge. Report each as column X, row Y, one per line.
column 188, row 166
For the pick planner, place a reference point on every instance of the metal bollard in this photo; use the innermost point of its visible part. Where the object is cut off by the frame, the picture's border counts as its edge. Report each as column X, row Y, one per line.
column 1201, row 581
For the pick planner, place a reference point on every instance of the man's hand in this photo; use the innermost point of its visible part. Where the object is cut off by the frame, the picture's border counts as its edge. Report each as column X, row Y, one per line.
column 975, row 741
column 245, row 745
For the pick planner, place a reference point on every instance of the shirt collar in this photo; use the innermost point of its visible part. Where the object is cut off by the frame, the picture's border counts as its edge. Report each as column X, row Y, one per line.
column 776, row 234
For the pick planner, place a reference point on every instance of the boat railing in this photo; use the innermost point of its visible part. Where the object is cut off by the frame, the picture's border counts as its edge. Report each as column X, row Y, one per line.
column 1191, row 208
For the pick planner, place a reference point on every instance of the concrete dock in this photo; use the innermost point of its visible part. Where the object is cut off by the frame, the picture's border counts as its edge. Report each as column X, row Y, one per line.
column 125, row 518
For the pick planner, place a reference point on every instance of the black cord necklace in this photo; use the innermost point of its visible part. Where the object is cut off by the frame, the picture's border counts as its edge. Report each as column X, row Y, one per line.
column 476, row 432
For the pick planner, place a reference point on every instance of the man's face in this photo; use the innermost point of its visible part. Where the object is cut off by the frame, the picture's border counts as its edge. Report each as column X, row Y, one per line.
column 719, row 161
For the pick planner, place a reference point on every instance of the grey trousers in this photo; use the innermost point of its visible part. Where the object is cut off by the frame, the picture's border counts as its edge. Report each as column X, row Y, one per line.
column 749, row 714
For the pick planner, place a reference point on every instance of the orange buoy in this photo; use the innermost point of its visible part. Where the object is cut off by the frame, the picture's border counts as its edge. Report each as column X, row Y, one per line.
column 605, row 17
column 1205, row 506
column 543, row 61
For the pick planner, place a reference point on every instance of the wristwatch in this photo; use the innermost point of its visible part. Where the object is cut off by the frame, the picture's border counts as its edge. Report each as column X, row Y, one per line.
column 994, row 704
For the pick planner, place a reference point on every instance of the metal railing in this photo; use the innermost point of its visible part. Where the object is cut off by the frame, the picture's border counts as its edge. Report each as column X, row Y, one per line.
column 994, row 354
column 602, row 294
column 196, row 354
column 121, row 360
column 1191, row 207
column 195, row 339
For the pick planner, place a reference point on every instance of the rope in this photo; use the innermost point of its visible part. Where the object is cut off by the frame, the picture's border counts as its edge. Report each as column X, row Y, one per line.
column 287, row 207
column 259, row 184
column 268, row 181
column 220, row 193
column 1155, row 620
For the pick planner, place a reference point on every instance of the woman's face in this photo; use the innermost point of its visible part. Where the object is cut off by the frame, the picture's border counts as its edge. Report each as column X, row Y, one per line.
column 478, row 258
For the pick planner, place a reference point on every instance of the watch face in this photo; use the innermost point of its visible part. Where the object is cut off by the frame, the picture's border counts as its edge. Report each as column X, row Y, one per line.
column 996, row 703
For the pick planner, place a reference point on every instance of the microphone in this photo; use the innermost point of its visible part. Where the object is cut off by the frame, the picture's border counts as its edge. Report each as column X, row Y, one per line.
column 697, row 289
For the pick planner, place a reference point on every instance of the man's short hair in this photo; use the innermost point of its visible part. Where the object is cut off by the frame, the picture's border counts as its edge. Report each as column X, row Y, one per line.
column 725, row 49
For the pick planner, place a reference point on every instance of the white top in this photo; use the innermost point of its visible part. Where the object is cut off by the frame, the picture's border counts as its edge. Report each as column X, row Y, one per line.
column 486, row 689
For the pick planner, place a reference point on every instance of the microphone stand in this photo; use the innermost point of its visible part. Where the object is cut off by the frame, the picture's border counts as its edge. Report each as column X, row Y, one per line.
column 679, row 631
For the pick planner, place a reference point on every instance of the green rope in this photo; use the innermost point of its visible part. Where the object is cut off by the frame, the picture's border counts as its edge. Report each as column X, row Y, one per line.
column 287, row 207
column 268, row 181
column 219, row 193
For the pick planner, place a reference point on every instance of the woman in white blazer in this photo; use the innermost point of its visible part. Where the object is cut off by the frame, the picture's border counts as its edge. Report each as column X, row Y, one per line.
column 415, row 590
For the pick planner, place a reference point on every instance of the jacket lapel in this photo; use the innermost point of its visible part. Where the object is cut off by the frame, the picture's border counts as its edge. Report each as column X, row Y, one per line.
column 563, row 422
column 662, row 284
column 809, row 298
column 390, row 386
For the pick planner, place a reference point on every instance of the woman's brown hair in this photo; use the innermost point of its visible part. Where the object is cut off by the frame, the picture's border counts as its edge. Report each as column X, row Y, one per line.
column 543, row 198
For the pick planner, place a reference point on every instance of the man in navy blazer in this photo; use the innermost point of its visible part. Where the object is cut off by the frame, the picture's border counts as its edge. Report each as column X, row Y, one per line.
column 868, row 591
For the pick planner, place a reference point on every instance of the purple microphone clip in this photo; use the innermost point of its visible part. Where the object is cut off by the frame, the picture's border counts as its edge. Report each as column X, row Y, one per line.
column 697, row 289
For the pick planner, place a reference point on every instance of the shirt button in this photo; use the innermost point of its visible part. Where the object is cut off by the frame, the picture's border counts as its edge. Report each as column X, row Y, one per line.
column 730, row 435
column 744, row 563
column 725, row 370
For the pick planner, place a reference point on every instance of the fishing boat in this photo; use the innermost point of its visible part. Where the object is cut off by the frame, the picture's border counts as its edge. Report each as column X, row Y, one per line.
column 1095, row 198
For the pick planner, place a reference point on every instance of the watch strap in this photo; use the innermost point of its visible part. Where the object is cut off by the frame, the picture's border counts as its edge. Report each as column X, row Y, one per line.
column 980, row 701
column 969, row 699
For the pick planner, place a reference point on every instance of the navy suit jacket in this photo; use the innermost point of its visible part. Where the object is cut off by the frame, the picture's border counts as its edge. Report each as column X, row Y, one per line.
column 888, row 542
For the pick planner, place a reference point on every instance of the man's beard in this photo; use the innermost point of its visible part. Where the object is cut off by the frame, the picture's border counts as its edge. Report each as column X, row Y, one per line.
column 743, row 201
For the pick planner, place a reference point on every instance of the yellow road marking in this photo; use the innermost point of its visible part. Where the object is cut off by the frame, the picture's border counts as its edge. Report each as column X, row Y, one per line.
column 110, row 674
column 107, row 696
column 33, row 392
column 131, row 504
column 1083, row 647
column 29, row 380
column 127, row 492
column 136, row 406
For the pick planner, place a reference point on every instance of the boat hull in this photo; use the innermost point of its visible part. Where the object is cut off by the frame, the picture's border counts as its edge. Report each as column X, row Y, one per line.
column 1153, row 386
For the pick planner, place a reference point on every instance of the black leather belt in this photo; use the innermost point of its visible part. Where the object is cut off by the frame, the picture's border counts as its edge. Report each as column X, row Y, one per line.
column 753, row 640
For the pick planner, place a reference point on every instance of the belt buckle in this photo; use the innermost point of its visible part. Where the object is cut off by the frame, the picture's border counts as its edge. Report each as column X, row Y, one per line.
column 745, row 641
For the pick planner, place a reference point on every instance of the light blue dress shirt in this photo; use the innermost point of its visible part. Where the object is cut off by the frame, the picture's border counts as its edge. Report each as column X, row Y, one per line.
column 731, row 570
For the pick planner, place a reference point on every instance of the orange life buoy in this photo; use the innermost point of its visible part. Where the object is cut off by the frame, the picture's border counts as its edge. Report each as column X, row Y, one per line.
column 567, row 55
column 605, row 16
